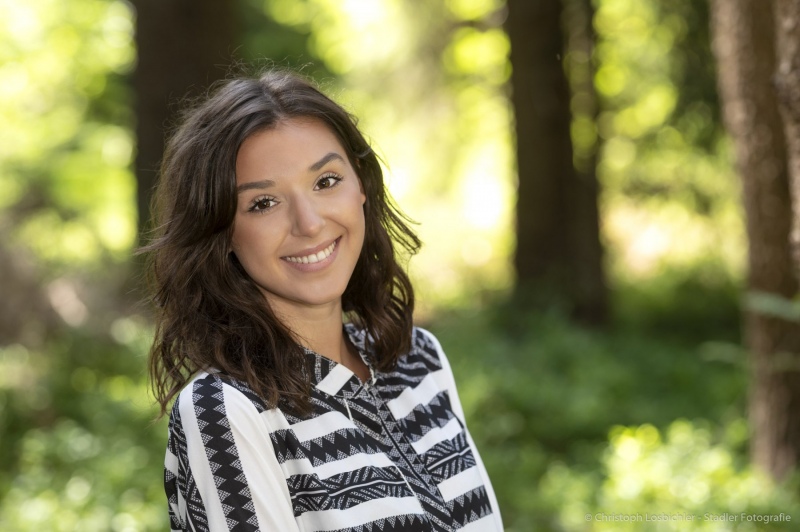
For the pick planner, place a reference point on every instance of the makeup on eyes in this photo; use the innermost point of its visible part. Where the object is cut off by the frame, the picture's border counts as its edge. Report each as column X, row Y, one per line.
column 255, row 206
column 330, row 175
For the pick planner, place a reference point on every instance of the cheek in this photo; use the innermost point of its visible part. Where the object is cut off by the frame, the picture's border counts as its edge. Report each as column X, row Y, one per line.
column 247, row 241
column 236, row 239
column 234, row 243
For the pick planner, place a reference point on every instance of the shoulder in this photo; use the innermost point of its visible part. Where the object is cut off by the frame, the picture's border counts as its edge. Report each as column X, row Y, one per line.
column 426, row 343
column 425, row 340
column 214, row 411
column 426, row 349
column 426, row 357
column 211, row 396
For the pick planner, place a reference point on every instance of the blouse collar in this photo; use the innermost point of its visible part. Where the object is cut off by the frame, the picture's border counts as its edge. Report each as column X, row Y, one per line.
column 333, row 378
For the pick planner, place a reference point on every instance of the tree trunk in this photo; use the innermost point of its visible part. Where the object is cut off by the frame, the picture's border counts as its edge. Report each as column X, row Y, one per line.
column 743, row 42
column 591, row 293
column 558, row 254
column 787, row 81
column 183, row 46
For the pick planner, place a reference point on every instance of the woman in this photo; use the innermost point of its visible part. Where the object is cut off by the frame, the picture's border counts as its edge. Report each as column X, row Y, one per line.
column 273, row 223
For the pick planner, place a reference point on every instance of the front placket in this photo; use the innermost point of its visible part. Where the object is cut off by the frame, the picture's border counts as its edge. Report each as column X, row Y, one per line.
column 410, row 464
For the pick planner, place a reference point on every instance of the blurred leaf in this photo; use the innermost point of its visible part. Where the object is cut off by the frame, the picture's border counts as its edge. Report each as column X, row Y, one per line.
column 772, row 305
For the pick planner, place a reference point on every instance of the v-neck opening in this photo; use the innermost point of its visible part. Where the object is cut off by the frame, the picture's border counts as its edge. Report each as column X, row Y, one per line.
column 332, row 377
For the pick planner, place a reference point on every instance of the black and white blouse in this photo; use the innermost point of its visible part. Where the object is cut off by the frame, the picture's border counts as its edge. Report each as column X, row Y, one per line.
column 387, row 455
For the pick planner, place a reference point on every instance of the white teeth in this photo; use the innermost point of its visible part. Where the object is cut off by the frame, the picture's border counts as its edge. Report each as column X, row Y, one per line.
column 314, row 257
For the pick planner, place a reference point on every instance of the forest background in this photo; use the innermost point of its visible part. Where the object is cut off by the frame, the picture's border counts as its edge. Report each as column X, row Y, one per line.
column 638, row 405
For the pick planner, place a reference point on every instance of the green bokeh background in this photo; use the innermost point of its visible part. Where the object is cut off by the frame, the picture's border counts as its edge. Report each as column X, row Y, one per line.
column 646, row 416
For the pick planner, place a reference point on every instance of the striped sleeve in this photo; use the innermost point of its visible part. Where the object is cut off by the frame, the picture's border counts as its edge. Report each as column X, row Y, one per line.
column 216, row 435
column 455, row 402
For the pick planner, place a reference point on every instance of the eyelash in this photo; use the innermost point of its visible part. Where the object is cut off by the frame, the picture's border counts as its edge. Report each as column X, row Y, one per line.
column 255, row 205
column 330, row 175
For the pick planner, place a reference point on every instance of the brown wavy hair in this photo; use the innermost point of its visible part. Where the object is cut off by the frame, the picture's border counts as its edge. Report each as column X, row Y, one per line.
column 209, row 312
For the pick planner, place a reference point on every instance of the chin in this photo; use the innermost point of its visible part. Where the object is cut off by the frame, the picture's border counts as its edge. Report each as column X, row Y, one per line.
column 316, row 299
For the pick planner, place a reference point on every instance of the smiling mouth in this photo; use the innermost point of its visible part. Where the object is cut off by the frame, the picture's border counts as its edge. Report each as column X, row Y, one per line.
column 314, row 257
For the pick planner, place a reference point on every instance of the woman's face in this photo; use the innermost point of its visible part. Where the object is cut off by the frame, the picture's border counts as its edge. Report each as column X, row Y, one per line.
column 299, row 224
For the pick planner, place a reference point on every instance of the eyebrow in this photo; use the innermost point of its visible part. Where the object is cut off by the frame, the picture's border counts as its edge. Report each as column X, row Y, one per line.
column 266, row 183
column 325, row 160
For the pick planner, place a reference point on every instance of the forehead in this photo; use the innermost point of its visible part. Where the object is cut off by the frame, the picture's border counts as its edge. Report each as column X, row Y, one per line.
column 288, row 149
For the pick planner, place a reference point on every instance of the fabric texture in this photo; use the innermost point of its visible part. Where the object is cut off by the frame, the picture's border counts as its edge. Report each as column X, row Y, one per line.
column 391, row 454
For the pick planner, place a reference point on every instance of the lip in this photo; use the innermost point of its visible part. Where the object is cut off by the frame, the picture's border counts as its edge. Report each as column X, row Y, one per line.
column 314, row 266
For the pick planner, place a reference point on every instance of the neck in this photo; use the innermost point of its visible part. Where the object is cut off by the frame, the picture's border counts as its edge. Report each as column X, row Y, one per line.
column 318, row 329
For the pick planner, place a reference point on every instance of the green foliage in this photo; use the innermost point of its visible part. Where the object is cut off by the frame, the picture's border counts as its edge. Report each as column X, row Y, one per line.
column 772, row 305
column 542, row 396
column 268, row 42
column 426, row 80
column 684, row 478
column 670, row 197
column 569, row 421
column 82, row 452
column 74, row 422
column 697, row 302
column 65, row 182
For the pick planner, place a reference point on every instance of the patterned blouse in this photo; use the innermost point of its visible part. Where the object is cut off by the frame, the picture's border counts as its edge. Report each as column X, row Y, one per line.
column 391, row 454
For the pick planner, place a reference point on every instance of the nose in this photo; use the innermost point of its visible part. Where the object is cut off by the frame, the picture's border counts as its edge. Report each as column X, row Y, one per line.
column 307, row 220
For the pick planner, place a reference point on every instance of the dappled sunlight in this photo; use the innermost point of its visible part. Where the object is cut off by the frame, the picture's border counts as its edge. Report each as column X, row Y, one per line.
column 482, row 53
column 66, row 153
column 477, row 251
column 618, row 154
column 76, row 471
column 55, row 56
column 16, row 367
column 351, row 34
column 485, row 201
column 55, row 151
column 67, row 303
column 647, row 238
column 670, row 198
column 363, row 15
column 429, row 84
column 445, row 136
column 473, row 9
column 99, row 494
column 685, row 480
column 652, row 109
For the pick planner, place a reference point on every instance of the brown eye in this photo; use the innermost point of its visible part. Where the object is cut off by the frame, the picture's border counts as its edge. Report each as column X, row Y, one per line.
column 328, row 181
column 262, row 204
